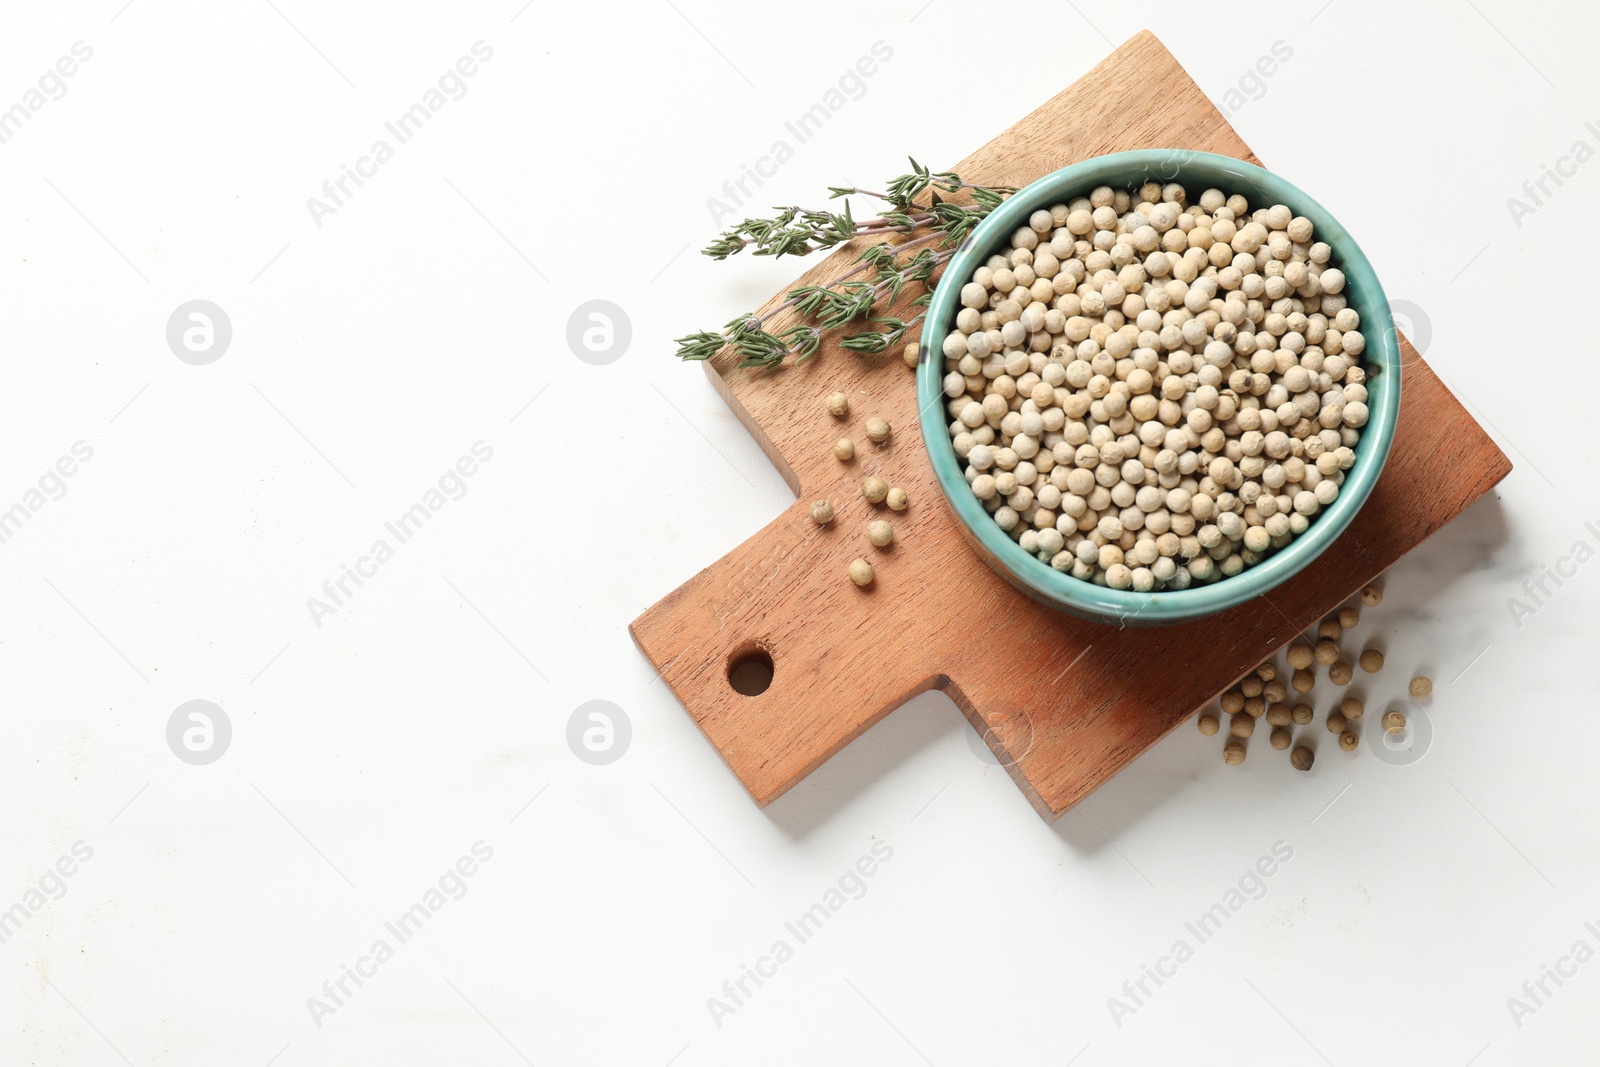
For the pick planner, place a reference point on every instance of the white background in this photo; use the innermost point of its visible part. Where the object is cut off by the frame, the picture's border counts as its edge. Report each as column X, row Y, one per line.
column 371, row 752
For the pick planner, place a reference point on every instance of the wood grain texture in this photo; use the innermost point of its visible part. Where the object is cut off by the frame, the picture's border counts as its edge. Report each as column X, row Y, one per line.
column 1064, row 703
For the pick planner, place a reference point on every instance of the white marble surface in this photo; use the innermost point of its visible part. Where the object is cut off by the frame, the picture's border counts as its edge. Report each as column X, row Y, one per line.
column 372, row 753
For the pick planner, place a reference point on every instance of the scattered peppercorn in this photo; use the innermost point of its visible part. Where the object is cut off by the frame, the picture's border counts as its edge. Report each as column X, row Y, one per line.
column 877, row 430
column 875, row 489
column 1263, row 692
column 910, row 354
column 896, row 499
column 861, row 572
column 838, row 405
column 880, row 533
column 844, row 449
column 822, row 512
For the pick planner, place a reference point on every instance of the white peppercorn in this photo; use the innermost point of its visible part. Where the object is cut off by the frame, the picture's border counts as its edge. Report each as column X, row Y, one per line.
column 880, row 533
column 1164, row 355
column 822, row 512
column 839, row 404
column 861, row 572
column 844, row 449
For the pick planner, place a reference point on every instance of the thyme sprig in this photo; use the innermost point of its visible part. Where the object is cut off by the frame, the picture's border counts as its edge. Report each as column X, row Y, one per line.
column 880, row 275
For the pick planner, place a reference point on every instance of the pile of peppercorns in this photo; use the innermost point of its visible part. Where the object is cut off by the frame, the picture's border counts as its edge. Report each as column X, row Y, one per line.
column 1148, row 393
column 1262, row 694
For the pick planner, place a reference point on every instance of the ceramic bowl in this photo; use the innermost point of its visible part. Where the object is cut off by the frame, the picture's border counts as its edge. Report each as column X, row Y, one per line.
column 1196, row 171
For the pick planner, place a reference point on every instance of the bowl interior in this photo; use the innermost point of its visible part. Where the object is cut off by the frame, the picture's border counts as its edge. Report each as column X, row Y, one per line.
column 1196, row 171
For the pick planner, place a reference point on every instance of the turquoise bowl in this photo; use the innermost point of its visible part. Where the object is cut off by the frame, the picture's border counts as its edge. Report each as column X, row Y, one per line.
column 1195, row 170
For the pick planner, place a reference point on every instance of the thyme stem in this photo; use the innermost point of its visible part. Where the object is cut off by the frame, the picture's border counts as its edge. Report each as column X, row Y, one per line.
column 915, row 205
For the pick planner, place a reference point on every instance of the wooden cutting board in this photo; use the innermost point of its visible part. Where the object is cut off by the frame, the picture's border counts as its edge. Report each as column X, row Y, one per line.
column 1065, row 704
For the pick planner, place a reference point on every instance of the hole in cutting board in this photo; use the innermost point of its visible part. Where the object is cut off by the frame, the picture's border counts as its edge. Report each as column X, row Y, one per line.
column 750, row 671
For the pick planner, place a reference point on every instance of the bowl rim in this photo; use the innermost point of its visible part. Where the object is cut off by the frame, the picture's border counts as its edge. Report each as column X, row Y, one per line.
column 1121, row 170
